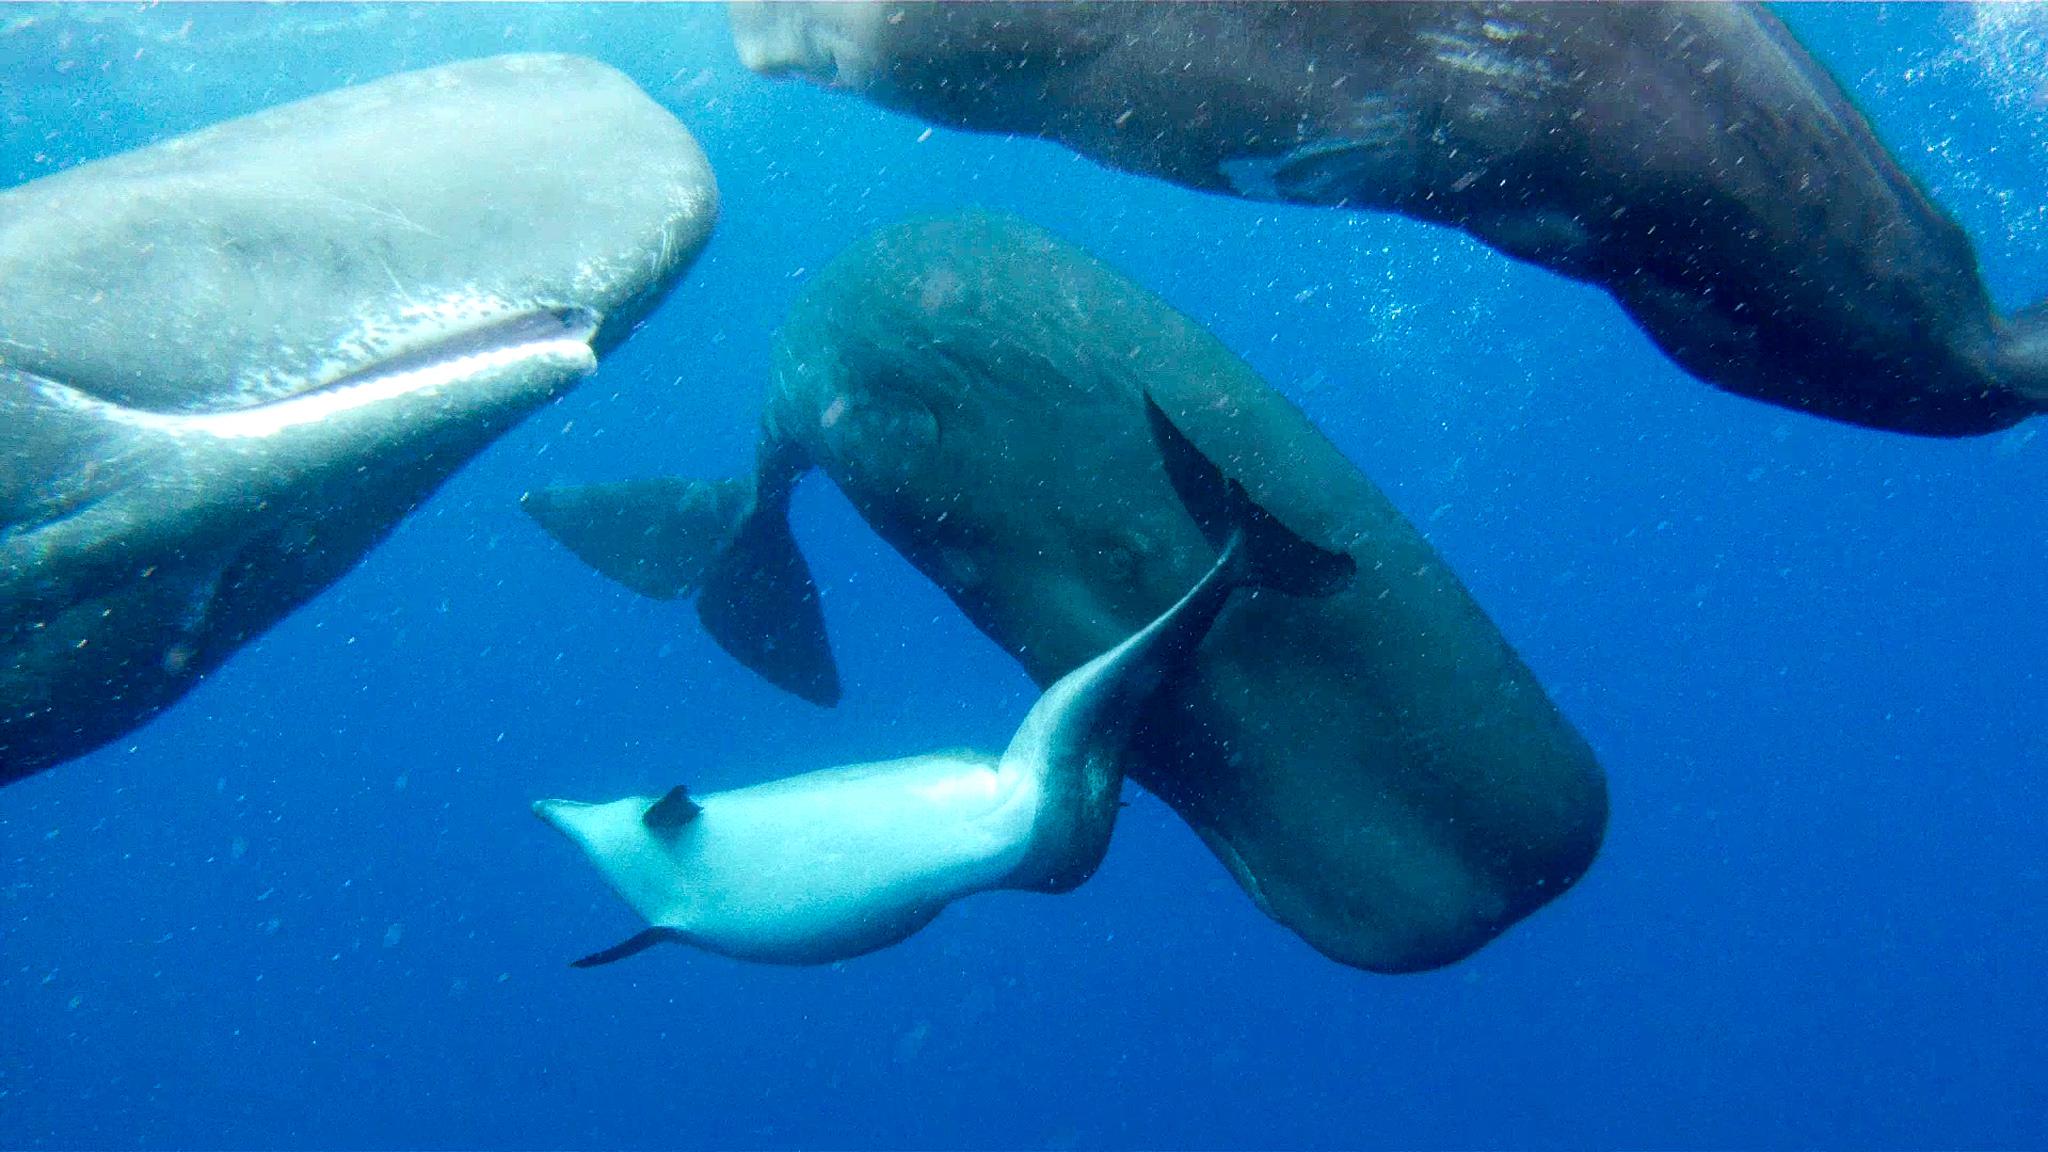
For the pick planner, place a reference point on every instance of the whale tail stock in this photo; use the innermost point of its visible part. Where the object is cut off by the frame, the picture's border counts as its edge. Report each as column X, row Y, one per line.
column 725, row 541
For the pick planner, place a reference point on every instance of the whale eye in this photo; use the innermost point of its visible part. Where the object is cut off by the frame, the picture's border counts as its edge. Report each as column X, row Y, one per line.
column 1122, row 562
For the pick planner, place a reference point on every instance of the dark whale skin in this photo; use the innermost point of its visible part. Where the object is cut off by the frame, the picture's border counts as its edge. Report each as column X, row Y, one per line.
column 1378, row 769
column 1689, row 158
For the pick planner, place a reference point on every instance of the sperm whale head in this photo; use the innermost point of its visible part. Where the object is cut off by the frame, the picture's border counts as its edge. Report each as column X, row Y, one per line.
column 232, row 361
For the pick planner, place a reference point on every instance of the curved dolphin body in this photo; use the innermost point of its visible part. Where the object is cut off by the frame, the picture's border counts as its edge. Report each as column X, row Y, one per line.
column 1377, row 769
column 231, row 362
column 1691, row 159
column 833, row 864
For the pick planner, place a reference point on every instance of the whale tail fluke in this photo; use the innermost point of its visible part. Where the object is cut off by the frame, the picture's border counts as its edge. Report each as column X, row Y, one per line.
column 760, row 604
column 719, row 540
column 658, row 537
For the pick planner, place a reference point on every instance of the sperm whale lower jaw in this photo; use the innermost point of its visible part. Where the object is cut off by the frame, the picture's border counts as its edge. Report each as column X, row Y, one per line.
column 558, row 340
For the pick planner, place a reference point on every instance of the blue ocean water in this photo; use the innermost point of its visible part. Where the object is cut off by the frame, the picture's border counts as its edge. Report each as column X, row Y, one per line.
column 308, row 907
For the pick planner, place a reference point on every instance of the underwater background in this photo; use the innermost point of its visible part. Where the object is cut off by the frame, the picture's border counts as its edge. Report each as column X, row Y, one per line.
column 308, row 906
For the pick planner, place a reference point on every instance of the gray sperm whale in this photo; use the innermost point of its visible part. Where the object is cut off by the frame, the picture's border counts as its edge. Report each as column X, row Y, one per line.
column 1378, row 769
column 1691, row 159
column 840, row 862
column 232, row 361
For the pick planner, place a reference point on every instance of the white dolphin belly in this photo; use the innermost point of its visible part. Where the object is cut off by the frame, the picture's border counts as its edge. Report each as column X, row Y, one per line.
column 817, row 867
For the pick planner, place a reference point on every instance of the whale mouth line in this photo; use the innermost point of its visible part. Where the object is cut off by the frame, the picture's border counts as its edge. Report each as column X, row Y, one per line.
column 523, row 329
column 562, row 335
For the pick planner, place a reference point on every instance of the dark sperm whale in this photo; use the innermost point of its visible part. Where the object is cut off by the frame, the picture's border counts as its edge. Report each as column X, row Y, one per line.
column 1377, row 769
column 1689, row 158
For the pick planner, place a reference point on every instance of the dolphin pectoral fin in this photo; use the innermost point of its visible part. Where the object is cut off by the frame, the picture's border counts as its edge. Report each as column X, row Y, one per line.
column 638, row 942
column 672, row 812
column 760, row 604
column 657, row 537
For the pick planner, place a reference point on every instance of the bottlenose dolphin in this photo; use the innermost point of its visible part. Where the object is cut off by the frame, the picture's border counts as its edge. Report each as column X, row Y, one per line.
column 833, row 864
column 1691, row 159
column 232, row 361
column 1378, row 769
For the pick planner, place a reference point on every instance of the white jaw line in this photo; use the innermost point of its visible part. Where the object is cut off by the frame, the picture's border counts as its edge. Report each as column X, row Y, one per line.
column 570, row 350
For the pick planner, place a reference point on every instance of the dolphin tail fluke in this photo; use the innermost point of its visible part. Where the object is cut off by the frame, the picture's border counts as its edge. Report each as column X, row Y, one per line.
column 720, row 540
column 1260, row 550
column 632, row 945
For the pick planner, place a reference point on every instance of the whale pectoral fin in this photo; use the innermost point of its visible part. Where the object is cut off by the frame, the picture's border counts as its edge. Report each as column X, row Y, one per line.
column 657, row 537
column 1273, row 555
column 87, row 497
column 760, row 604
column 2024, row 354
column 638, row 942
column 1372, row 170
column 1075, row 738
column 63, row 451
column 672, row 812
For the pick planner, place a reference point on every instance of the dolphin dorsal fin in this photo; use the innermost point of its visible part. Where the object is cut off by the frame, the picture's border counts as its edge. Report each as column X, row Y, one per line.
column 670, row 813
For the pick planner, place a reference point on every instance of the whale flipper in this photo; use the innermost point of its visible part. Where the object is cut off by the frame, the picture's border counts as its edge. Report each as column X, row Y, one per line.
column 670, row 537
column 1273, row 556
column 2023, row 347
column 59, row 461
column 633, row 945
column 658, row 537
column 1081, row 729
